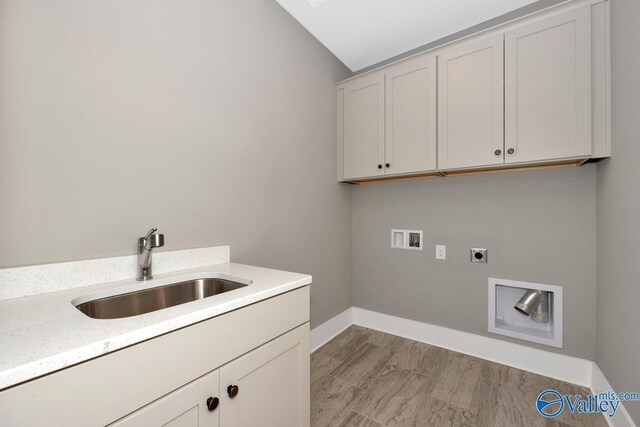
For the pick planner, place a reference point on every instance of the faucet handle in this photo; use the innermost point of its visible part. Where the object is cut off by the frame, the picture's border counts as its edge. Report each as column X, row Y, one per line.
column 153, row 230
column 151, row 240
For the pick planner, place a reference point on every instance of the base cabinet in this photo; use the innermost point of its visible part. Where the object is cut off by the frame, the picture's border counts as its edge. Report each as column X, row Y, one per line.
column 248, row 367
column 267, row 387
column 188, row 406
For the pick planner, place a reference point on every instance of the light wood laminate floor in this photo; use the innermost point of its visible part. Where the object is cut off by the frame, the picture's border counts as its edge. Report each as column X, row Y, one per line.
column 368, row 378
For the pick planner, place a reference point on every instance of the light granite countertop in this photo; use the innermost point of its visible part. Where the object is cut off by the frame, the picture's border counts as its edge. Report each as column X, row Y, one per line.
column 44, row 333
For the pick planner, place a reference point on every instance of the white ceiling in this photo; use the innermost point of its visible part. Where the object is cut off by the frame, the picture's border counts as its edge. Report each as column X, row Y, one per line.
column 364, row 32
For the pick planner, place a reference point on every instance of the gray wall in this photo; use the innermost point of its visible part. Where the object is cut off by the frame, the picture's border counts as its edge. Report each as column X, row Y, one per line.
column 618, row 350
column 212, row 120
column 538, row 226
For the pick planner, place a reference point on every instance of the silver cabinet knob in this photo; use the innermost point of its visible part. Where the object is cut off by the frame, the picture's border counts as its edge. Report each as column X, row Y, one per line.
column 498, row 152
column 511, row 151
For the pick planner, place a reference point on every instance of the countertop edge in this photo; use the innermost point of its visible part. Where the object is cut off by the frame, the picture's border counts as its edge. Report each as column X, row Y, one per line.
column 13, row 377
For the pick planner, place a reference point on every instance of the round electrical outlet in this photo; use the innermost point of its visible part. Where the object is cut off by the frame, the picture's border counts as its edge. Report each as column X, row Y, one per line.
column 479, row 255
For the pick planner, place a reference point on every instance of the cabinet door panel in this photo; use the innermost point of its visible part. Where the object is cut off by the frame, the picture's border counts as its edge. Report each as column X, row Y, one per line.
column 410, row 143
column 185, row 407
column 273, row 384
column 364, row 126
column 470, row 105
column 548, row 88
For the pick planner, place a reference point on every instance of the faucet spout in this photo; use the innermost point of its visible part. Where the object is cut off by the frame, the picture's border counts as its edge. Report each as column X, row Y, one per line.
column 145, row 246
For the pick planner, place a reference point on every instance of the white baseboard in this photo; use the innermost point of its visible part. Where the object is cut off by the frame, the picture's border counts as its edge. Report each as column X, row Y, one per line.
column 565, row 368
column 322, row 334
column 600, row 384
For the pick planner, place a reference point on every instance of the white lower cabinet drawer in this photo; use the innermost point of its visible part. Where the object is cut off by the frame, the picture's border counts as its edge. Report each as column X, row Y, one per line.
column 267, row 387
column 195, row 404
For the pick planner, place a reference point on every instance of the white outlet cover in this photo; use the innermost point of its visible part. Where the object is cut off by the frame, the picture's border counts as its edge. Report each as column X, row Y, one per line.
column 441, row 252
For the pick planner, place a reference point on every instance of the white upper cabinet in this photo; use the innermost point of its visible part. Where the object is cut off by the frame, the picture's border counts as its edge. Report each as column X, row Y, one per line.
column 410, row 131
column 387, row 121
column 534, row 91
column 548, row 88
column 364, row 127
column 470, row 104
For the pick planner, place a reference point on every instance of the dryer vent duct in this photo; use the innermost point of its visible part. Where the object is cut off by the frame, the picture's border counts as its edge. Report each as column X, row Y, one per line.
column 534, row 303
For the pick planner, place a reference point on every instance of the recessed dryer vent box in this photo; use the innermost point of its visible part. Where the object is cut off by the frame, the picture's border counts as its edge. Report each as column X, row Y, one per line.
column 406, row 239
column 504, row 319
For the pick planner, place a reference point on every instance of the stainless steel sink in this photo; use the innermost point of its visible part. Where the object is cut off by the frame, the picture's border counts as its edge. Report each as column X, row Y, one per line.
column 148, row 300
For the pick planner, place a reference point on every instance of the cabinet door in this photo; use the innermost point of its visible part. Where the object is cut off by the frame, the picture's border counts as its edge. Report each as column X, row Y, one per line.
column 470, row 105
column 548, row 88
column 272, row 384
column 364, row 126
column 185, row 407
column 410, row 143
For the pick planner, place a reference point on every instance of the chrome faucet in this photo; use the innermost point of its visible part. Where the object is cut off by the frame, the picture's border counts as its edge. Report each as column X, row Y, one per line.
column 145, row 245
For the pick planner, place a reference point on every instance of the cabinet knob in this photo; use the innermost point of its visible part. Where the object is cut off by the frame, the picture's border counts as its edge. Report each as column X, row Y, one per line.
column 212, row 403
column 233, row 390
column 388, row 165
column 511, row 151
column 498, row 152
column 379, row 166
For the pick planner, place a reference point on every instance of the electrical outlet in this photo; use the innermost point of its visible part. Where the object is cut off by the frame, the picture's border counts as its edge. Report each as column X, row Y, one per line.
column 441, row 252
column 479, row 255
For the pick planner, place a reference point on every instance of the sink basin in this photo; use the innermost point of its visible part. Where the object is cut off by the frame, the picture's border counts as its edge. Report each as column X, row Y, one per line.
column 153, row 299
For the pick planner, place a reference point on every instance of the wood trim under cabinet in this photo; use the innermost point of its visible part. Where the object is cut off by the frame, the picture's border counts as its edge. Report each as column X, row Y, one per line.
column 462, row 172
